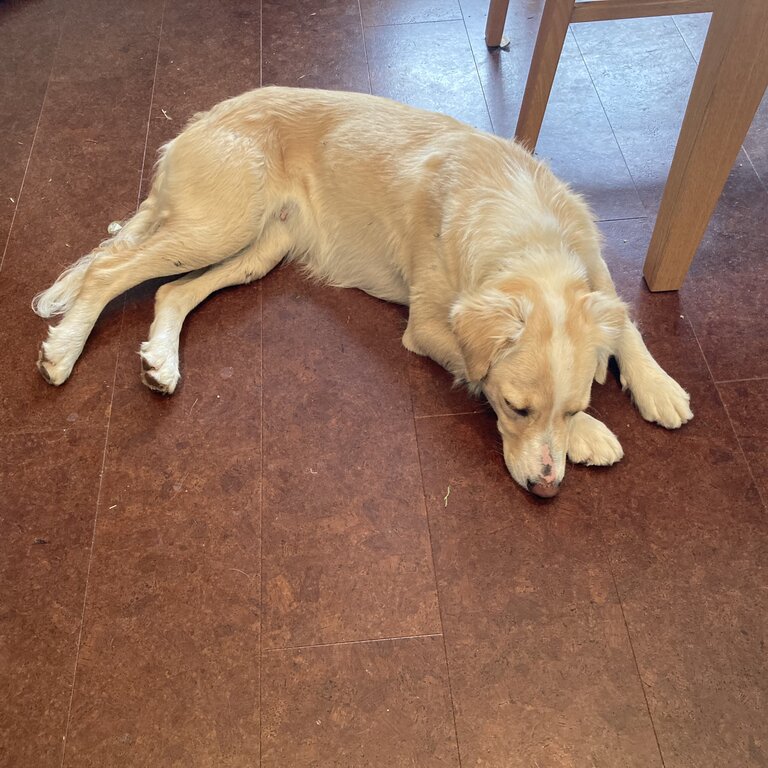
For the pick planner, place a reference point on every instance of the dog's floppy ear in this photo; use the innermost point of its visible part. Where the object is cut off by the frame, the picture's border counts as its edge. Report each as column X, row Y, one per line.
column 607, row 315
column 485, row 323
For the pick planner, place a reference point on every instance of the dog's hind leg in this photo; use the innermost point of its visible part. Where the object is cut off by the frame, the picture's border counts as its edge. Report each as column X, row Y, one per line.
column 58, row 299
column 175, row 300
column 170, row 250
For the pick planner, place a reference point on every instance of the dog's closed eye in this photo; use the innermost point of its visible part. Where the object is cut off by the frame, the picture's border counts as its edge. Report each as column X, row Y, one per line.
column 522, row 412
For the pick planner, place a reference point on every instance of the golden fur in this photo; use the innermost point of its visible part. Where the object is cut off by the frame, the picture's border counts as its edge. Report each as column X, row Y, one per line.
column 498, row 261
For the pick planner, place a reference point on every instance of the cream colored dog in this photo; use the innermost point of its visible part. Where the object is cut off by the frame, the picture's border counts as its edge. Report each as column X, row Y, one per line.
column 498, row 261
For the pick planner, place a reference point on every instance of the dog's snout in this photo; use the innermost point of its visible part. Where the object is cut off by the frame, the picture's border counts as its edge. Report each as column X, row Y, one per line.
column 547, row 474
column 544, row 488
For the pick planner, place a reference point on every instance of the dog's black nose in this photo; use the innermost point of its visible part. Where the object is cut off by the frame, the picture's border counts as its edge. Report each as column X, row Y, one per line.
column 545, row 490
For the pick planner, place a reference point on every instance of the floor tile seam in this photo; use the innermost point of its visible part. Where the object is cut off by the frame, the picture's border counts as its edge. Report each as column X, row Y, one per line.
column 151, row 104
column 450, row 414
column 739, row 439
column 107, row 431
column 412, row 23
column 636, row 663
column 608, row 120
column 730, row 420
column 73, row 428
column 92, row 547
column 365, row 47
column 20, row 192
column 261, row 443
column 685, row 42
column 261, row 510
column 622, row 218
column 477, row 67
column 275, row 429
column 345, row 643
column 434, row 574
column 718, row 382
column 763, row 182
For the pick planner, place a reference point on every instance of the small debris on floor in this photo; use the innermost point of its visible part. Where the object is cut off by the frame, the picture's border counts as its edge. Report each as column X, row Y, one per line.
column 445, row 498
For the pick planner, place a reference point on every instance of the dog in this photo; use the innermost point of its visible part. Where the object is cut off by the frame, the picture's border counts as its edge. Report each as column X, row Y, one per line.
column 498, row 261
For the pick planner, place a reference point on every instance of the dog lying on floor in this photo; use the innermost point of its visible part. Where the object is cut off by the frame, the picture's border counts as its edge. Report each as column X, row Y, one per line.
column 498, row 261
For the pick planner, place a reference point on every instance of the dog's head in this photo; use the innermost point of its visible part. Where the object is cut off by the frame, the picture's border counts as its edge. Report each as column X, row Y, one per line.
column 533, row 348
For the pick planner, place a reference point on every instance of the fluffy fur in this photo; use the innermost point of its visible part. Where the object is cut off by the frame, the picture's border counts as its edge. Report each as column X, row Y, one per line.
column 498, row 261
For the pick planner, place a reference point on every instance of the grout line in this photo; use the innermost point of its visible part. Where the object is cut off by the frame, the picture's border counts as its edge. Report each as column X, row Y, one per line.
column 434, row 574
column 637, row 666
column 685, row 42
column 261, row 500
column 261, row 434
column 74, row 427
column 738, row 381
column 92, row 547
column 109, row 423
column 34, row 139
column 696, row 60
column 763, row 184
column 151, row 105
column 410, row 23
column 448, row 415
column 610, row 124
column 477, row 67
column 350, row 642
column 623, row 218
column 730, row 420
column 365, row 47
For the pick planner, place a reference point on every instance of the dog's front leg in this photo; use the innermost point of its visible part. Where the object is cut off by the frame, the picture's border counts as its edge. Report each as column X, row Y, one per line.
column 656, row 394
column 429, row 337
column 590, row 442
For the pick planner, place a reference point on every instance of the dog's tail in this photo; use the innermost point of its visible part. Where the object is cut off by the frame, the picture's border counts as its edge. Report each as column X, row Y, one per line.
column 57, row 299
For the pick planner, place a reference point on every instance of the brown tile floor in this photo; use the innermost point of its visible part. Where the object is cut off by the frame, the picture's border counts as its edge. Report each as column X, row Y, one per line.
column 312, row 555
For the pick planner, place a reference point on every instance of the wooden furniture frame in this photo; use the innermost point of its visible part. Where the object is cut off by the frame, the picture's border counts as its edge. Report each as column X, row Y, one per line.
column 731, row 79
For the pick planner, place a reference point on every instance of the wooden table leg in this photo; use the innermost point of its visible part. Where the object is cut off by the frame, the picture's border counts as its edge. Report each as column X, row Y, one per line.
column 546, row 55
column 730, row 82
column 494, row 26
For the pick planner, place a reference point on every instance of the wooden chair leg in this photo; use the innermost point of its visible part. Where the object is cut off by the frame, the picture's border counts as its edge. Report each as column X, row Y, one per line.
column 730, row 82
column 494, row 26
column 546, row 55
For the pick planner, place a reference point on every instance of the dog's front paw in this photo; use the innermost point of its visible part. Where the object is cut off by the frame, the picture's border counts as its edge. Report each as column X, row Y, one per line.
column 590, row 442
column 661, row 399
column 159, row 368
